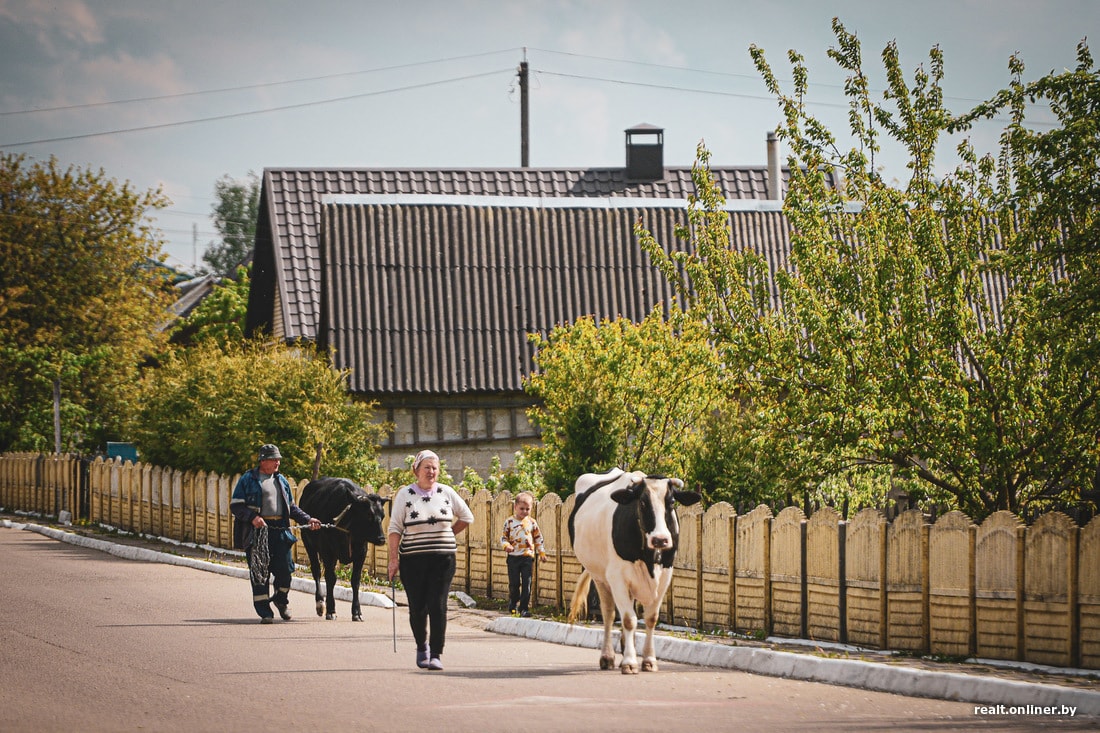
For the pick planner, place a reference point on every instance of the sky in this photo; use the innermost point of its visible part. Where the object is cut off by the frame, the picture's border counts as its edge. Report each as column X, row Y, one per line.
column 176, row 95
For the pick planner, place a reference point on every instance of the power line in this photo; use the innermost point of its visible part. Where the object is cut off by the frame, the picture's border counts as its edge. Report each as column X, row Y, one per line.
column 302, row 105
column 668, row 87
column 742, row 95
column 648, row 64
column 250, row 113
column 247, row 87
column 750, row 77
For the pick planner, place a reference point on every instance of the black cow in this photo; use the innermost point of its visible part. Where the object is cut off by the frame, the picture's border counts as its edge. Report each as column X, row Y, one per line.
column 357, row 518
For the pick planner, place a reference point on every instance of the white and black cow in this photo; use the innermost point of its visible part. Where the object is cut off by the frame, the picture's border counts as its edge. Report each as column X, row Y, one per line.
column 356, row 518
column 624, row 532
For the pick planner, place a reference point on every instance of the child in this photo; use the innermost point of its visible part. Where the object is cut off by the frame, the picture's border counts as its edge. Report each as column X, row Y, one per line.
column 521, row 539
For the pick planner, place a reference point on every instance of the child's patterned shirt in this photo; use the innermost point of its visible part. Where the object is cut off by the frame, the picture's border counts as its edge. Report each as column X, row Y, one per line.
column 524, row 536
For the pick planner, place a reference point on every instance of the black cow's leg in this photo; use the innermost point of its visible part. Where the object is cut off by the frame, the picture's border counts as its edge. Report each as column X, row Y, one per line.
column 315, row 571
column 357, row 559
column 330, row 587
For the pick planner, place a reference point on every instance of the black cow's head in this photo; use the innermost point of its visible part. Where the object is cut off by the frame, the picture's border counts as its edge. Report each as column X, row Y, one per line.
column 365, row 518
column 656, row 498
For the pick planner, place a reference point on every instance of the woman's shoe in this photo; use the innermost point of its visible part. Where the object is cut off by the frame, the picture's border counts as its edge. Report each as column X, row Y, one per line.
column 422, row 658
column 435, row 664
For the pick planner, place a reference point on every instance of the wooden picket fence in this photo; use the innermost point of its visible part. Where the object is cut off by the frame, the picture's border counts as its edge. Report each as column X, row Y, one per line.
column 995, row 590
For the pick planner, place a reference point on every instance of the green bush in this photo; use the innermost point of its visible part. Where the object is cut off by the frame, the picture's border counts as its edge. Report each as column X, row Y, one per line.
column 210, row 407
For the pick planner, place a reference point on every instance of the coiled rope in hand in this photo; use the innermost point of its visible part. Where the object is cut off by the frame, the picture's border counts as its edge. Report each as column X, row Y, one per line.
column 259, row 559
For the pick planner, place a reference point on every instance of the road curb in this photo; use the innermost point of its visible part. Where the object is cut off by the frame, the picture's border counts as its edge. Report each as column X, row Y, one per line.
column 847, row 672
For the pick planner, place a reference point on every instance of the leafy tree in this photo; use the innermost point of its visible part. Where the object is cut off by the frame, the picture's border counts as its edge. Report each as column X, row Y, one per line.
column 234, row 213
column 886, row 349
column 81, row 299
column 645, row 386
column 211, row 406
column 221, row 314
column 1051, row 180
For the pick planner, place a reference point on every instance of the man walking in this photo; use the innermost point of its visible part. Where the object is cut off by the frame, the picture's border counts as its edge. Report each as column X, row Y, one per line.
column 263, row 507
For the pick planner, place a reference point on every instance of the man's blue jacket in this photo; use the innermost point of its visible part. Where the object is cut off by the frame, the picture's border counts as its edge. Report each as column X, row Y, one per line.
column 246, row 501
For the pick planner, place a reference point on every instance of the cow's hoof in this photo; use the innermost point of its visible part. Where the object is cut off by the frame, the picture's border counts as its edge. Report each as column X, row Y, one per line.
column 330, row 616
column 649, row 665
column 320, row 608
column 629, row 668
column 607, row 662
column 357, row 617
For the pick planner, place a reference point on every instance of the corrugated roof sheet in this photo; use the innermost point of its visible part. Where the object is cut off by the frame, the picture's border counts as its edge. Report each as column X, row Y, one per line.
column 291, row 199
column 440, row 298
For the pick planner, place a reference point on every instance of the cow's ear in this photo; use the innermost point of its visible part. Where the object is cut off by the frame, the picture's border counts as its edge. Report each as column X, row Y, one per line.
column 624, row 496
column 687, row 498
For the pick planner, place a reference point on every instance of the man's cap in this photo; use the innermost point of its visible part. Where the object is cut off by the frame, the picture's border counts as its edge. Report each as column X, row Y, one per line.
column 269, row 452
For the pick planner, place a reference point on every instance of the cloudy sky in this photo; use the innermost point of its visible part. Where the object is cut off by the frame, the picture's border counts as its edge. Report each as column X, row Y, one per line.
column 178, row 94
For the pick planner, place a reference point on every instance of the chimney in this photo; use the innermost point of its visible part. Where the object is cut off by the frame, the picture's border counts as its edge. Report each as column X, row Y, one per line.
column 645, row 158
column 775, row 172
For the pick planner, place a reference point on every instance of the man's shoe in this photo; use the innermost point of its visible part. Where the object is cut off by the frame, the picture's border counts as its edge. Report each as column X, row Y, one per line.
column 422, row 658
column 526, row 614
column 267, row 619
column 435, row 664
column 284, row 611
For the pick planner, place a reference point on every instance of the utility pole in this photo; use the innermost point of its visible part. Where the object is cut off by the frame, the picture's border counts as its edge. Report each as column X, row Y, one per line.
column 524, row 158
column 57, row 416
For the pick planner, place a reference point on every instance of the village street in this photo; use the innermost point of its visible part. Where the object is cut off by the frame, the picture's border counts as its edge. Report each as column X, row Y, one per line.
column 95, row 642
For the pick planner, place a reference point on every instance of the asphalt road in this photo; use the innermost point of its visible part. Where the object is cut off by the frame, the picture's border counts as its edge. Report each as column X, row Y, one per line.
column 92, row 642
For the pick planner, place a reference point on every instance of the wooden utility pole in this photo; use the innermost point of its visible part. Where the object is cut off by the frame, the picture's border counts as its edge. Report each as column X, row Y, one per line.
column 524, row 159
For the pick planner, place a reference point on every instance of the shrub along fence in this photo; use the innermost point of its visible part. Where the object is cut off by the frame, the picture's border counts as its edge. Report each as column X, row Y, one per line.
column 996, row 590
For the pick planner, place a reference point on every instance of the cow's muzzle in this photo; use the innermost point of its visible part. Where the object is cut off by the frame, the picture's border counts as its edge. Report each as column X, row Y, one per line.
column 660, row 542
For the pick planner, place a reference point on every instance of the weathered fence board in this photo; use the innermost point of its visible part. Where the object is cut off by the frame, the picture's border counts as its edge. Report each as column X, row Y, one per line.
column 951, row 585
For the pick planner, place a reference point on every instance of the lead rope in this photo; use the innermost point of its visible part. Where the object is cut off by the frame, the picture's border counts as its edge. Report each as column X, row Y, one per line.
column 259, row 560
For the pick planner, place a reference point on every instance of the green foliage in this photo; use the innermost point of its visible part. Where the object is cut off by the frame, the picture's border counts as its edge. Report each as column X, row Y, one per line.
column 210, row 407
column 885, row 360
column 906, row 361
column 220, row 316
column 81, row 299
column 644, row 388
column 235, row 213
column 525, row 474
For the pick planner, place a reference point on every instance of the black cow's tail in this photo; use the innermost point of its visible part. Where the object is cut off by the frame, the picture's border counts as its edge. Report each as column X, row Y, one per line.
column 579, row 605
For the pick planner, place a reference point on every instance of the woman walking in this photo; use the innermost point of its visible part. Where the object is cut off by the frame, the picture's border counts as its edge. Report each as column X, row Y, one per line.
column 425, row 516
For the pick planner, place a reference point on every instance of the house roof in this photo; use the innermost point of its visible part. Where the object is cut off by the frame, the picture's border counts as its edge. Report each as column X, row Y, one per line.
column 430, row 280
column 439, row 296
column 287, row 243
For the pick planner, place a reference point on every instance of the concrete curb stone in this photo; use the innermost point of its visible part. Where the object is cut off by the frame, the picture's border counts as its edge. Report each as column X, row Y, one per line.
column 847, row 672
